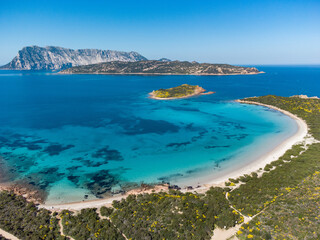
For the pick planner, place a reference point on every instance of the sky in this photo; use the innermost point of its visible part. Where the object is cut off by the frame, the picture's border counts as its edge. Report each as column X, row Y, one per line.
column 235, row 31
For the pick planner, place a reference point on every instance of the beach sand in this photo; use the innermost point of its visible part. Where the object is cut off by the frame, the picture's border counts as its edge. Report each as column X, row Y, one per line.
column 272, row 155
column 102, row 202
column 219, row 180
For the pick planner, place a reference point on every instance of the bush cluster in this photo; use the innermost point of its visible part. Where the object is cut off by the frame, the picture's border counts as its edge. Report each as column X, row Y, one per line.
column 25, row 221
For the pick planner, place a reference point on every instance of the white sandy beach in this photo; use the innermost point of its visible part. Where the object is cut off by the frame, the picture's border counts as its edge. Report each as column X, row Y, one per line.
column 218, row 180
column 272, row 155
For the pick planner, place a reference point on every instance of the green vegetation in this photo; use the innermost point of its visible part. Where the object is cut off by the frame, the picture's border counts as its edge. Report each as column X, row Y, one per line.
column 284, row 200
column 175, row 92
column 25, row 221
column 88, row 225
column 307, row 109
column 286, row 197
column 174, row 215
column 160, row 67
column 258, row 193
column 293, row 216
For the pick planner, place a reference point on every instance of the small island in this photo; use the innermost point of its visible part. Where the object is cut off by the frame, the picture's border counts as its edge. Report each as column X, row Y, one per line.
column 182, row 91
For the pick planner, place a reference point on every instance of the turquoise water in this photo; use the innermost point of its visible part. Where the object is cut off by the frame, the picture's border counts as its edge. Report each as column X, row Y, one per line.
column 77, row 135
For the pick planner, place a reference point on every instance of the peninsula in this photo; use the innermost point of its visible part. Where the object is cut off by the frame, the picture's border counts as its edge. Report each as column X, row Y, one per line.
column 182, row 91
column 161, row 68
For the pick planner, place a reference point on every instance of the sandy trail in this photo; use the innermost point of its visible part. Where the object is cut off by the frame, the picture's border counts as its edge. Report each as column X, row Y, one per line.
column 7, row 235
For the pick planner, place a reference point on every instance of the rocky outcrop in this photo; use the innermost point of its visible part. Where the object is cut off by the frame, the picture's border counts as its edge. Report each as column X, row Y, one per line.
column 305, row 96
column 29, row 192
column 57, row 58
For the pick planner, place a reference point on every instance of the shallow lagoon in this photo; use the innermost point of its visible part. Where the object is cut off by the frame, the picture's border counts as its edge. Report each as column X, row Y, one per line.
column 76, row 135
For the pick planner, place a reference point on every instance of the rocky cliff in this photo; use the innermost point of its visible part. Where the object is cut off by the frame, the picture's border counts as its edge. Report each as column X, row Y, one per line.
column 56, row 58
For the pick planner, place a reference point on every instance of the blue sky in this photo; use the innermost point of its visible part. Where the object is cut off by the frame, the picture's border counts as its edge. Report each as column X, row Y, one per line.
column 233, row 31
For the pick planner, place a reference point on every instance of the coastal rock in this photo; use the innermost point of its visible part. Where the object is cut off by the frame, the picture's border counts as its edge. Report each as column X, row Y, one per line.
column 30, row 193
column 305, row 96
column 57, row 58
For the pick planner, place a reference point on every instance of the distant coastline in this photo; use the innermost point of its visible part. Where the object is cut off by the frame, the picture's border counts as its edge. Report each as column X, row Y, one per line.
column 154, row 67
column 170, row 74
column 132, row 74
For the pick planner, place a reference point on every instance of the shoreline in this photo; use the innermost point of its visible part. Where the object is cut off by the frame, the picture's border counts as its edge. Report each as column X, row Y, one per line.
column 162, row 74
column 248, row 168
column 272, row 155
column 30, row 193
column 104, row 201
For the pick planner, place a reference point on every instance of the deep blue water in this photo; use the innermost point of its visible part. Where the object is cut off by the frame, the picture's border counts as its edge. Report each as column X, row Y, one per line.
column 76, row 135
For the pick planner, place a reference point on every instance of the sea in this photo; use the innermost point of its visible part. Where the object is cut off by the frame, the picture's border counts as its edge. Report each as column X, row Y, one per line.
column 83, row 137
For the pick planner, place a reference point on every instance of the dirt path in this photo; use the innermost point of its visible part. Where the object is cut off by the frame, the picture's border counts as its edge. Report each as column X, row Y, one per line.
column 222, row 234
column 61, row 230
column 103, row 217
column 8, row 235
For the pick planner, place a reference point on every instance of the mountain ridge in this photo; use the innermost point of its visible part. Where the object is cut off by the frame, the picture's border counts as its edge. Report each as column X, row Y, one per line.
column 57, row 58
